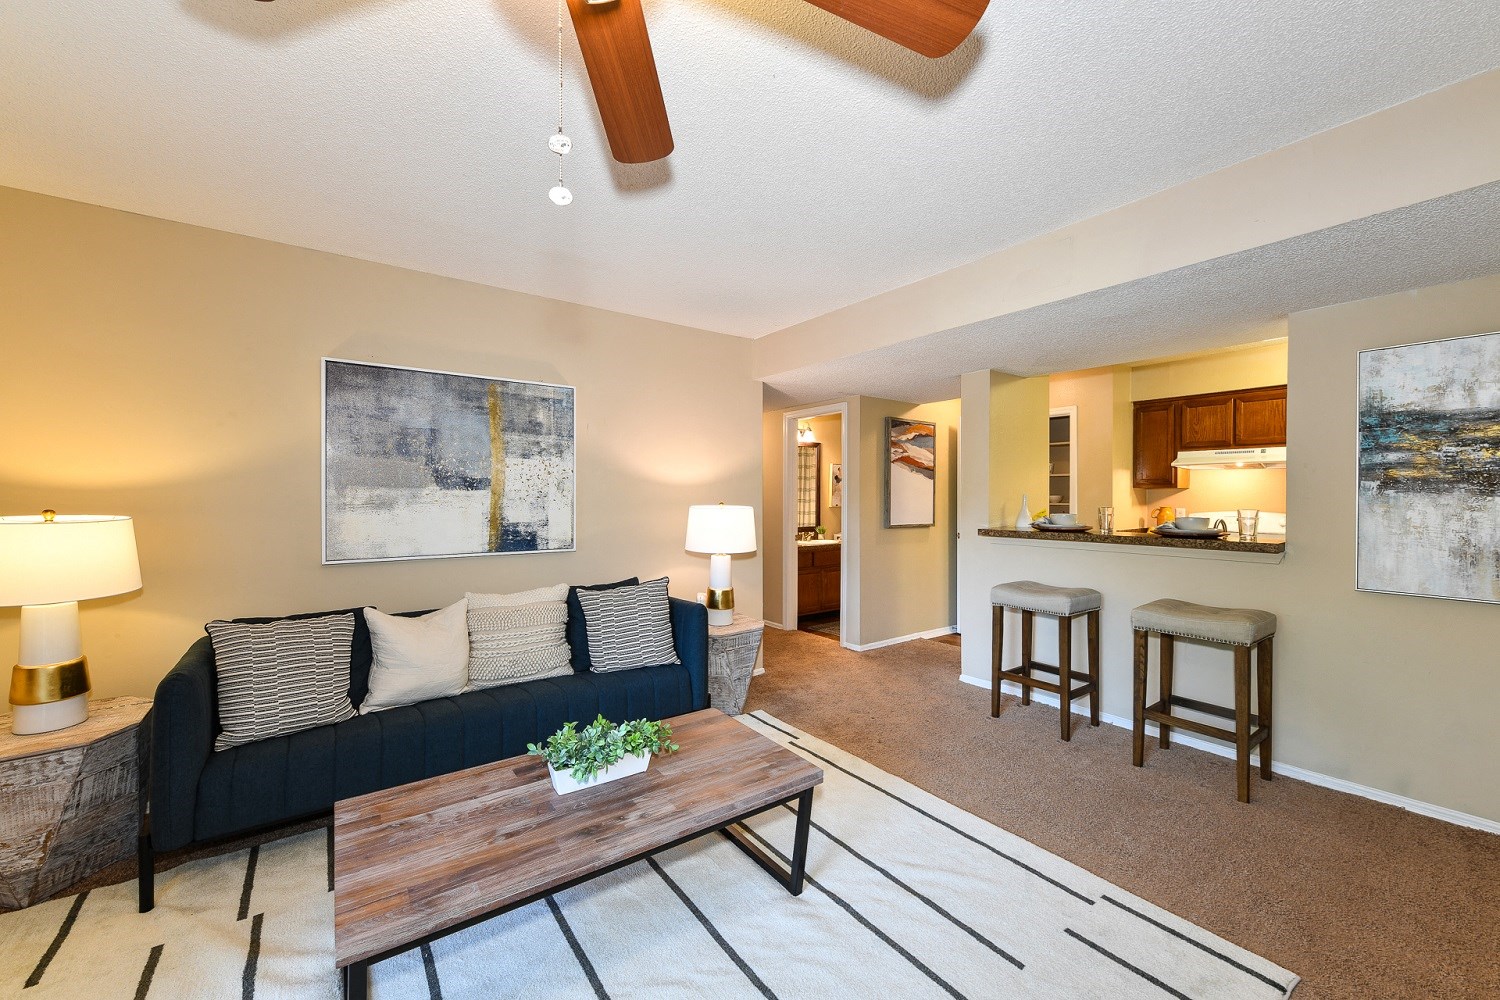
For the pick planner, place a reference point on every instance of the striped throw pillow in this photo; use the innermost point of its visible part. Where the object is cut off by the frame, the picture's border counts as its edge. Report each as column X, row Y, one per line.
column 629, row 627
column 509, row 644
column 281, row 677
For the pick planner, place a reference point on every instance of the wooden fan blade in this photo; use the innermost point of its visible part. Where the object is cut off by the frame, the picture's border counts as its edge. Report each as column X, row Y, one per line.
column 617, row 52
column 930, row 27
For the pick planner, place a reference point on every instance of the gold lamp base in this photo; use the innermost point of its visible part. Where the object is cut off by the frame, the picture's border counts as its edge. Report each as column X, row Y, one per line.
column 49, row 696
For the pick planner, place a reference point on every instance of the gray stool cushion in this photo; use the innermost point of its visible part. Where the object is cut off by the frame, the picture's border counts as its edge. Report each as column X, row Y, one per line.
column 1030, row 596
column 1235, row 626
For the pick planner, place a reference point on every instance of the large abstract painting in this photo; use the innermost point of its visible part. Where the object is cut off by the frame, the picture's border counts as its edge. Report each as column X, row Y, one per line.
column 1429, row 469
column 911, row 473
column 422, row 464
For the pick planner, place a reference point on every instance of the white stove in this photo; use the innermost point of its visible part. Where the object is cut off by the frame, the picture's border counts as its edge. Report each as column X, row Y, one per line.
column 1270, row 522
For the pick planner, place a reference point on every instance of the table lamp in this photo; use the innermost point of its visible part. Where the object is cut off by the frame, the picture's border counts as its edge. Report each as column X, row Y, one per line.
column 719, row 530
column 48, row 563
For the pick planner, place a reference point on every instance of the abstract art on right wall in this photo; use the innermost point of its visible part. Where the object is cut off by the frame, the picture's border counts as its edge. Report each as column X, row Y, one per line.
column 1428, row 514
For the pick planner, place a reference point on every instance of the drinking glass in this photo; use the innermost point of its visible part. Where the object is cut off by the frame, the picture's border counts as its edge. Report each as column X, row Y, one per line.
column 1249, row 523
column 1106, row 520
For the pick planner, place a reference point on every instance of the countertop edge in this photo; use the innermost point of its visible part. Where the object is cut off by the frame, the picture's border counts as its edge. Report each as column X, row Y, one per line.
column 1140, row 541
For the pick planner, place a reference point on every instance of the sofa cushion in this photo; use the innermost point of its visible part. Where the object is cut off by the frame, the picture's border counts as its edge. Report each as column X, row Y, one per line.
column 417, row 659
column 511, row 645
column 280, row 677
column 305, row 773
column 359, row 647
column 578, row 634
column 629, row 627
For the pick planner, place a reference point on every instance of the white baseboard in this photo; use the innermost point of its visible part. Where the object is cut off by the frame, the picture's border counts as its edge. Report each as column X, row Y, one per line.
column 931, row 633
column 1277, row 767
column 777, row 625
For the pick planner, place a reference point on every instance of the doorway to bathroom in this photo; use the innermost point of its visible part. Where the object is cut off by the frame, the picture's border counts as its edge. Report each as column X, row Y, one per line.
column 820, row 522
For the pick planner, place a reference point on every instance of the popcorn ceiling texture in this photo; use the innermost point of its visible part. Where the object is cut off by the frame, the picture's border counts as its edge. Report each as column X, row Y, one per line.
column 816, row 165
column 1216, row 304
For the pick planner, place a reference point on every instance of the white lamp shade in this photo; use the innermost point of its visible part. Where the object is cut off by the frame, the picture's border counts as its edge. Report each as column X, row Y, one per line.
column 714, row 528
column 74, row 557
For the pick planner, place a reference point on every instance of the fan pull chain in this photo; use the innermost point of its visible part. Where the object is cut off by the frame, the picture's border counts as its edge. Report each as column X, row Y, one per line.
column 560, row 143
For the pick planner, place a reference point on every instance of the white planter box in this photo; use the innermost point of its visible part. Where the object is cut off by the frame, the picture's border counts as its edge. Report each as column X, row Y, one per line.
column 563, row 781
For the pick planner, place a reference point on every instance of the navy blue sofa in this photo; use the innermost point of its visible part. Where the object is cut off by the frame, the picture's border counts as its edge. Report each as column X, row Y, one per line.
column 198, row 795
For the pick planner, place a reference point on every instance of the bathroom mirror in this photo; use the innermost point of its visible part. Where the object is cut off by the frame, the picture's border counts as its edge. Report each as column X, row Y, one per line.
column 809, row 485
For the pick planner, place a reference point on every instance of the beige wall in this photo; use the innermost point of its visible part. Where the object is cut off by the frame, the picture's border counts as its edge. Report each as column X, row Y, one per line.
column 171, row 373
column 1018, row 452
column 1394, row 693
column 1092, row 392
column 907, row 576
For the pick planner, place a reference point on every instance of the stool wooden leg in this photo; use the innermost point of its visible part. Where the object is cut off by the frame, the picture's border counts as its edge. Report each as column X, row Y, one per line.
column 1138, row 701
column 1263, row 679
column 1094, row 668
column 1064, row 670
column 1242, row 720
column 1026, row 626
column 1168, row 650
column 997, row 646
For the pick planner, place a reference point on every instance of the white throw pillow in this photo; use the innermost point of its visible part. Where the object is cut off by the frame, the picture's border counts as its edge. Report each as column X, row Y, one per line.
column 518, row 637
column 417, row 659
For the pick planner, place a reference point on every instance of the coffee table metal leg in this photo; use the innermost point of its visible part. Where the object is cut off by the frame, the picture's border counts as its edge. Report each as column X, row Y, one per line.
column 356, row 981
column 799, row 846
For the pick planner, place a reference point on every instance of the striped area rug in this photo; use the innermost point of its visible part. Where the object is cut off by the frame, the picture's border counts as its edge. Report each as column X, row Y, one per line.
column 907, row 896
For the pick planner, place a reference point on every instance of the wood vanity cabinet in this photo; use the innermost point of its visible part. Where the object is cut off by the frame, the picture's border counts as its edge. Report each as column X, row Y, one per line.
column 1245, row 418
column 818, row 578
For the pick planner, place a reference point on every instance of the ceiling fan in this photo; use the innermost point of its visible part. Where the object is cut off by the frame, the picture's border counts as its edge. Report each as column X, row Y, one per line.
column 617, row 53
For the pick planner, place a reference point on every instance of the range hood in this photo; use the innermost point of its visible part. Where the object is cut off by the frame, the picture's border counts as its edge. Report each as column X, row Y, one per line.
column 1232, row 458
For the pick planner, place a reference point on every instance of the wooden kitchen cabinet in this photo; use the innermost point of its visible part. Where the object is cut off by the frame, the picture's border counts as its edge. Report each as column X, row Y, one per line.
column 1245, row 418
column 1205, row 422
column 1260, row 417
column 1155, row 436
column 819, row 580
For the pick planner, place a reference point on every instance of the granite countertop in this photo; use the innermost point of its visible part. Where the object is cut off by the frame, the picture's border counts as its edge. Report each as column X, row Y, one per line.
column 1273, row 544
column 813, row 542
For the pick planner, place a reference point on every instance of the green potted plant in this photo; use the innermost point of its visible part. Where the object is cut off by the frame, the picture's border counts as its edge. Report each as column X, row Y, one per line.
column 601, row 751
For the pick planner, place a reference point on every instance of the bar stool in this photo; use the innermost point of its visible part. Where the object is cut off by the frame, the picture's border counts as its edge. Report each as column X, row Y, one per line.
column 1065, row 604
column 1242, row 629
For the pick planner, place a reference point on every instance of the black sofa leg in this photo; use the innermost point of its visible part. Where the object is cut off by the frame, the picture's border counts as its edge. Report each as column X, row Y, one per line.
column 145, row 873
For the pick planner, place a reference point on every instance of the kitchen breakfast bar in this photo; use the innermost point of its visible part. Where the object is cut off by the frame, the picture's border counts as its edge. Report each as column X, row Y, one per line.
column 1131, row 568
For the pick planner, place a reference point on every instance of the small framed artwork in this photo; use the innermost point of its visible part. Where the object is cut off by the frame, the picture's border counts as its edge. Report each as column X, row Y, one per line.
column 836, row 484
column 421, row 464
column 910, row 473
column 1427, row 518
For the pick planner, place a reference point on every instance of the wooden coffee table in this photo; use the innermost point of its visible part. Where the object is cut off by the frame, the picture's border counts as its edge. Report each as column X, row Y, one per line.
column 420, row 861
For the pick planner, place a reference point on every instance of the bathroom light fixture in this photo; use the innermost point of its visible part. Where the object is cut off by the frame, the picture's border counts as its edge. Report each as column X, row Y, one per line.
column 804, row 433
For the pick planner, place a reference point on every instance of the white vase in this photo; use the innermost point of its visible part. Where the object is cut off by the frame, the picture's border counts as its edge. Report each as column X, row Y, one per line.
column 1023, row 520
column 563, row 782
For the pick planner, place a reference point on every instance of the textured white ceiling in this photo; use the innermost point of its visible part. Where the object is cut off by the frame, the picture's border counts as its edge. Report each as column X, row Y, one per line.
column 1219, row 303
column 816, row 165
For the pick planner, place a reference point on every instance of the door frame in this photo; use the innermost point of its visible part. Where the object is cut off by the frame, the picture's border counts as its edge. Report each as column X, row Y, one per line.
column 848, row 561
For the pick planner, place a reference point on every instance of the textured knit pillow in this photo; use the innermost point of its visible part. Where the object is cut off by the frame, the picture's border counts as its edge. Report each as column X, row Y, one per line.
column 518, row 637
column 281, row 677
column 629, row 627
column 417, row 659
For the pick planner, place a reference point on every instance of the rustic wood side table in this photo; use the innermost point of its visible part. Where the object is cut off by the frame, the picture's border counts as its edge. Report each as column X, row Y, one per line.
column 72, row 799
column 732, row 652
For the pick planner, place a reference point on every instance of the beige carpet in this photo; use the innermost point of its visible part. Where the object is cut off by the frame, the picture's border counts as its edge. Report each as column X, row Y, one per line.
column 1362, row 900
